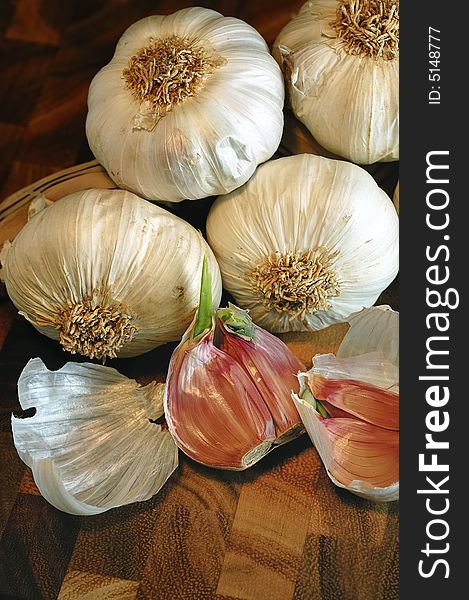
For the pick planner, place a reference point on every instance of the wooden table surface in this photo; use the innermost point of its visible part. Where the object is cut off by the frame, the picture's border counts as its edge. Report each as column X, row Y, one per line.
column 277, row 531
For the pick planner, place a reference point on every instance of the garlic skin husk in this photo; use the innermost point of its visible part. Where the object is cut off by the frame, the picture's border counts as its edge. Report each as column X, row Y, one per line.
column 108, row 273
column 305, row 243
column 210, row 142
column 374, row 329
column 349, row 102
column 91, row 444
column 227, row 395
column 358, row 441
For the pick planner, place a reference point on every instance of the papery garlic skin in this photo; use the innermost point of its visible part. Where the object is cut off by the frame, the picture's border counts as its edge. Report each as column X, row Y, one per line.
column 207, row 144
column 92, row 443
column 349, row 102
column 227, row 398
column 108, row 273
column 374, row 329
column 359, row 441
column 305, row 243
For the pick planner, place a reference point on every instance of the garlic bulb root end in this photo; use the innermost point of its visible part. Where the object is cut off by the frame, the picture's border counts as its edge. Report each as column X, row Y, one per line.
column 166, row 72
column 94, row 330
column 297, row 283
column 369, row 27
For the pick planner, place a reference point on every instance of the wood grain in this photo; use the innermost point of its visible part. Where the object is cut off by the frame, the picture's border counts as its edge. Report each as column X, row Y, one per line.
column 278, row 531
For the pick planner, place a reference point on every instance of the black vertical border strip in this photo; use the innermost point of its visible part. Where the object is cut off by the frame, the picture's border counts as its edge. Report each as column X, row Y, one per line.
column 424, row 128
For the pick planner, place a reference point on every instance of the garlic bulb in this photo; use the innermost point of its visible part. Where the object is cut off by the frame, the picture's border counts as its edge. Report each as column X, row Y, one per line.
column 228, row 391
column 92, row 442
column 187, row 108
column 349, row 404
column 395, row 197
column 107, row 273
column 306, row 242
column 340, row 59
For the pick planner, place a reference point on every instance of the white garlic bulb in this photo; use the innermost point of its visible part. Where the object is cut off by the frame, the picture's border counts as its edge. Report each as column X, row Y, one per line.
column 340, row 60
column 108, row 273
column 92, row 442
column 395, row 197
column 187, row 108
column 306, row 242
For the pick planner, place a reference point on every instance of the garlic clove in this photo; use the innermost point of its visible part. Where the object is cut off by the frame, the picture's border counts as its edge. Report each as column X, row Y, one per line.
column 213, row 409
column 349, row 405
column 345, row 384
column 92, row 444
column 370, row 454
column 358, row 456
column 269, row 363
column 376, row 370
column 227, row 396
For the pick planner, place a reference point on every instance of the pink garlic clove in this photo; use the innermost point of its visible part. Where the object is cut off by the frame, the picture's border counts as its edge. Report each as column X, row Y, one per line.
column 213, row 408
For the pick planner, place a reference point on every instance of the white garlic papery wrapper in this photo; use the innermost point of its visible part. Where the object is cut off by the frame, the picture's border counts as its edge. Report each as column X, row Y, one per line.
column 374, row 329
column 340, row 59
column 108, row 273
column 187, row 108
column 306, row 242
column 359, row 447
column 92, row 443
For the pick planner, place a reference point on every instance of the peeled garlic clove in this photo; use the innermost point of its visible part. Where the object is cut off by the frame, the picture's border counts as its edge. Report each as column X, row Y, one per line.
column 340, row 61
column 305, row 243
column 358, row 438
column 227, row 396
column 92, row 443
column 197, row 104
column 107, row 273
